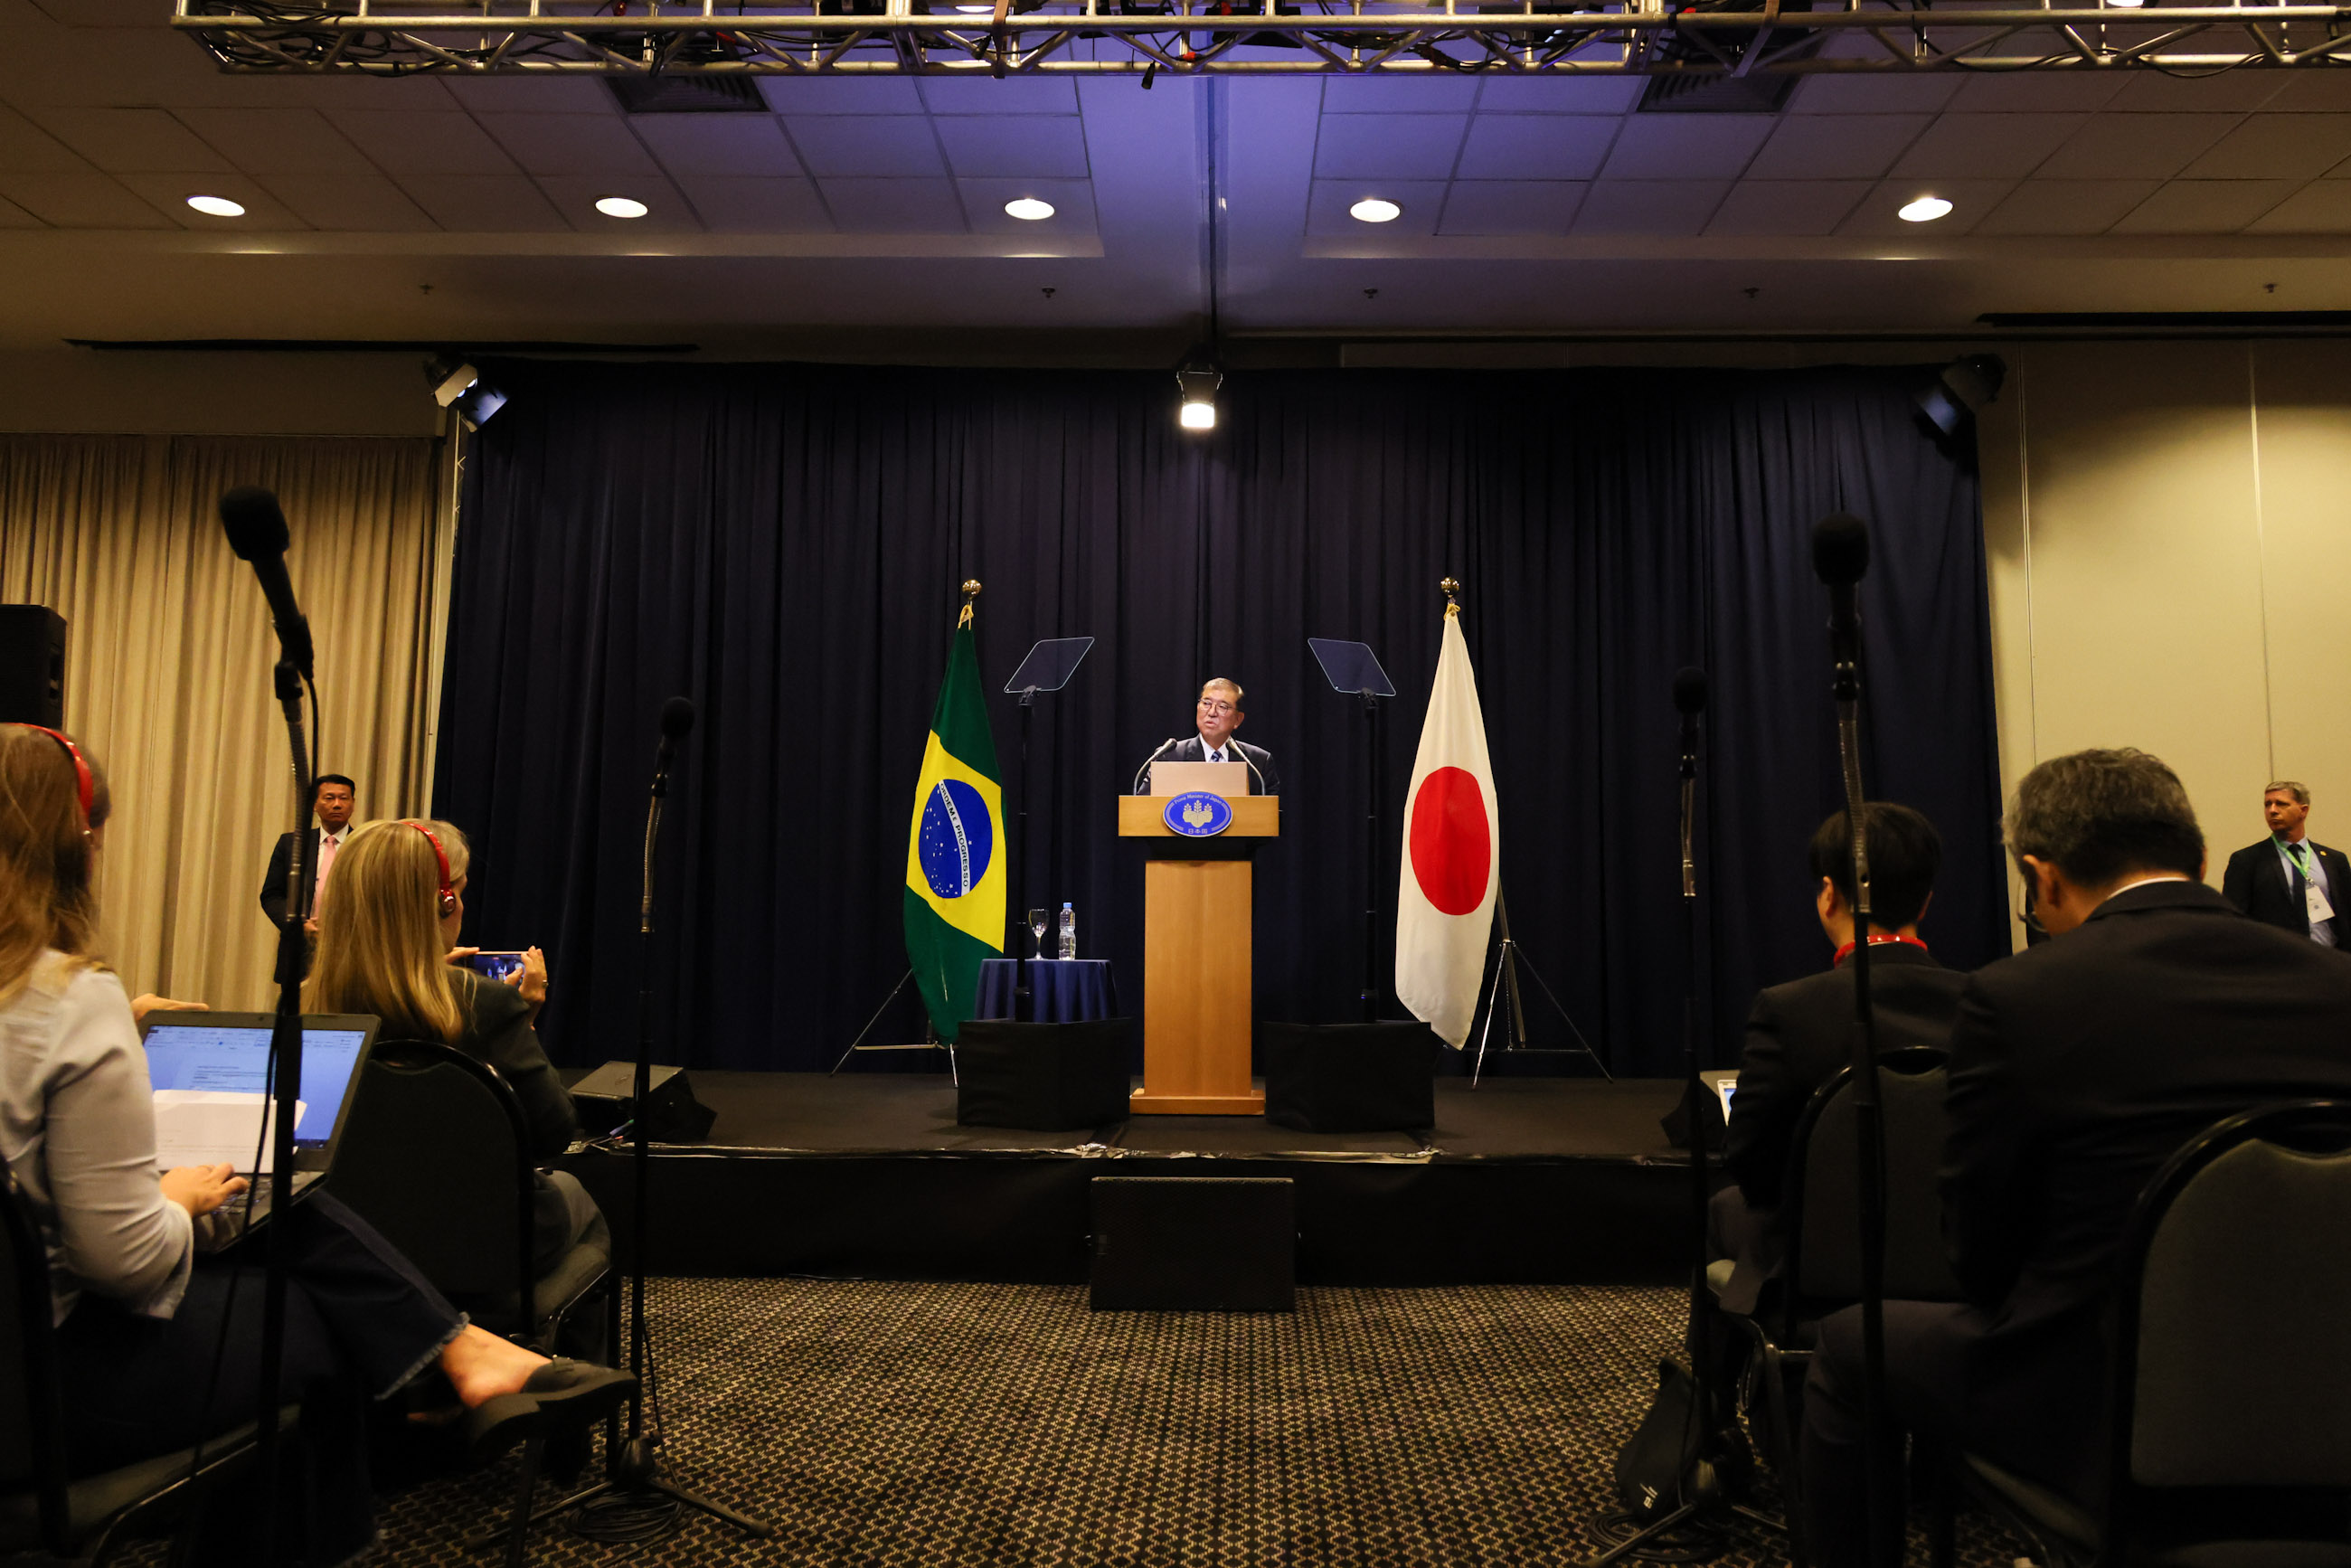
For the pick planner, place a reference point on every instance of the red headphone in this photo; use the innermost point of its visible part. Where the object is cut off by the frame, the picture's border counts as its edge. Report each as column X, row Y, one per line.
column 448, row 895
column 85, row 787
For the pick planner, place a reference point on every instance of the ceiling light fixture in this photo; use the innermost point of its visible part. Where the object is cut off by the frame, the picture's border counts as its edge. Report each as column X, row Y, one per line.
column 622, row 207
column 1925, row 210
column 458, row 385
column 1961, row 389
column 1029, row 208
column 217, row 206
column 2125, row 5
column 1198, row 382
column 1376, row 210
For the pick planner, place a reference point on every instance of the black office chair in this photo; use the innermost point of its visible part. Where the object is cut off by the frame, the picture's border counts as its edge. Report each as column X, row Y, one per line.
column 2230, row 1435
column 1822, row 1226
column 78, row 1519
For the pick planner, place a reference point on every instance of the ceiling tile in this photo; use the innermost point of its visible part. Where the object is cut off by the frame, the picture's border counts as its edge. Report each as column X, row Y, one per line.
column 1554, row 95
column 757, row 206
column 900, row 145
column 1511, row 206
column 980, row 93
column 1687, row 146
column 2044, row 206
column 1397, row 146
column 2135, row 146
column 2318, row 92
column 893, row 206
column 27, row 149
column 80, row 201
column 842, row 95
column 1536, row 146
column 1394, row 95
column 128, row 141
column 169, row 193
column 2204, row 206
column 277, row 141
column 352, row 203
column 532, row 95
column 1787, row 206
column 1073, row 202
column 2035, row 92
column 2321, row 207
column 1922, row 93
column 402, row 143
column 576, row 195
column 1327, row 216
column 2277, row 147
column 2231, row 92
column 1879, row 213
column 1042, row 145
column 483, row 203
column 1649, row 206
column 739, row 144
column 1835, row 147
column 13, row 216
column 1987, row 146
column 571, row 143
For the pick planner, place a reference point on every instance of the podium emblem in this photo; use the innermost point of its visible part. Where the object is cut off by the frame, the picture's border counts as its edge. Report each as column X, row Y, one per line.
column 1197, row 814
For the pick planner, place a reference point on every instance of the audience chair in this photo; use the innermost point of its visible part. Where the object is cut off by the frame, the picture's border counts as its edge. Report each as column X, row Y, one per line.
column 1820, row 1209
column 79, row 1519
column 2229, row 1430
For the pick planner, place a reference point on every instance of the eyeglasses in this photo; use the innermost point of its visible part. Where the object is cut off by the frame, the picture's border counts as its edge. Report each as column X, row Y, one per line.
column 1210, row 705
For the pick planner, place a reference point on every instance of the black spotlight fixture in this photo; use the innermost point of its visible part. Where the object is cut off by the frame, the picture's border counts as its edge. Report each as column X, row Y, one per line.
column 457, row 384
column 1962, row 387
column 1198, row 383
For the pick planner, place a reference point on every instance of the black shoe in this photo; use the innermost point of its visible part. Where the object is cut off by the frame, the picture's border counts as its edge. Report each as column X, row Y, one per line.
column 562, row 1393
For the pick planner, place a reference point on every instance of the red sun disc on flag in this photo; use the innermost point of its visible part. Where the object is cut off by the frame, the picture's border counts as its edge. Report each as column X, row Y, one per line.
column 1452, row 846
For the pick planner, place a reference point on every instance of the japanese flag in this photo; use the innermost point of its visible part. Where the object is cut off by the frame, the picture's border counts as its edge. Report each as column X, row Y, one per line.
column 1452, row 853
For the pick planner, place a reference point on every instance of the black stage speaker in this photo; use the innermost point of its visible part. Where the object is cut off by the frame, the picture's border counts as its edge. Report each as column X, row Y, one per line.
column 1045, row 1076
column 1195, row 1244
column 32, row 665
column 673, row 1115
column 1351, row 1077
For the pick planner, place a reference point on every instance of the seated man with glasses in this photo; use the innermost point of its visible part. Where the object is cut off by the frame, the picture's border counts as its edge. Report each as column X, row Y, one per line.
column 1218, row 714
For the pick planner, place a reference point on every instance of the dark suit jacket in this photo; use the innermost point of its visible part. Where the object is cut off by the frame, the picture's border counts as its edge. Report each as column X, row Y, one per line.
column 1264, row 781
column 2078, row 1068
column 1798, row 1035
column 273, row 886
column 2257, row 883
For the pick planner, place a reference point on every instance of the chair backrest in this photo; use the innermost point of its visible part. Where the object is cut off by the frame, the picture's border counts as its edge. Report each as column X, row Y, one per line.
column 1822, row 1197
column 2232, row 1368
column 436, row 1158
column 32, row 1432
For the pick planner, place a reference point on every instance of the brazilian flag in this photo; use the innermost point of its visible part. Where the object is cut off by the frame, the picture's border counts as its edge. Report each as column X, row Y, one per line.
column 955, row 859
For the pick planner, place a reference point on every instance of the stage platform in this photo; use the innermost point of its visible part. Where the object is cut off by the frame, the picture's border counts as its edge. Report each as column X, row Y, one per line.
column 1522, row 1180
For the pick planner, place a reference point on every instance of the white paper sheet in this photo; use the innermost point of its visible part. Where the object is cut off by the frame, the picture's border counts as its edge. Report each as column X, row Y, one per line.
column 211, row 1128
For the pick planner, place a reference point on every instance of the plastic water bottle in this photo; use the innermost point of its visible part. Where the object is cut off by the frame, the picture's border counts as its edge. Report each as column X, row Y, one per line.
column 1069, row 932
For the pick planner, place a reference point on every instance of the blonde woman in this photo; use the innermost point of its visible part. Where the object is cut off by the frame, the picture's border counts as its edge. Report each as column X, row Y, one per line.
column 159, row 1343
column 385, row 944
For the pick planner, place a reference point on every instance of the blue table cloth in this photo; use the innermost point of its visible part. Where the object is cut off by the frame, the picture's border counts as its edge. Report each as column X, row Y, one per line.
column 1065, row 990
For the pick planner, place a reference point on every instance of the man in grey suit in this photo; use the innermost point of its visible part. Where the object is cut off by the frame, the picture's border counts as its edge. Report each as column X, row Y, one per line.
column 1218, row 713
column 2288, row 880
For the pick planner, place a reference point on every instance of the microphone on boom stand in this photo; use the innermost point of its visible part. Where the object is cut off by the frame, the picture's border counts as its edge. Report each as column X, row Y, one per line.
column 1841, row 559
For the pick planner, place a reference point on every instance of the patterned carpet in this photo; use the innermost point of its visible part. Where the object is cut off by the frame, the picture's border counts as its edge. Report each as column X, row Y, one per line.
column 879, row 1424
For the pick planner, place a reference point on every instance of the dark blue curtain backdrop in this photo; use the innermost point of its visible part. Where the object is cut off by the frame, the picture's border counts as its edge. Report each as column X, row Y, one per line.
column 783, row 544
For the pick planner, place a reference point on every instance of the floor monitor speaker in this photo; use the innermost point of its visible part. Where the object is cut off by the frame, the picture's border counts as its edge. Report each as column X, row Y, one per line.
column 673, row 1115
column 1195, row 1244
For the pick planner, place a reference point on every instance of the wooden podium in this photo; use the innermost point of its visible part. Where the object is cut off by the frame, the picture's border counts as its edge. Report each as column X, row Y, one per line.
column 1197, row 962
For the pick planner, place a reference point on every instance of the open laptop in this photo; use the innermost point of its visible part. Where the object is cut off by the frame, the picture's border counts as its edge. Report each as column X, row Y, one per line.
column 210, row 1073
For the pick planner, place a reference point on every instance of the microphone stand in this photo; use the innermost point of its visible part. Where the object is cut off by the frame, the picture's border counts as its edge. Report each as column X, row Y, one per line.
column 1371, row 793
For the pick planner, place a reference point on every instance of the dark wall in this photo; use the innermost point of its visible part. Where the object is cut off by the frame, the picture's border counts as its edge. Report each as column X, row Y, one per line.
column 783, row 544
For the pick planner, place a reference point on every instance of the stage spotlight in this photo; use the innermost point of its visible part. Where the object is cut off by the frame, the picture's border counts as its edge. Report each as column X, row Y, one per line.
column 1965, row 385
column 1376, row 210
column 460, row 386
column 1029, row 208
column 216, row 206
column 622, row 207
column 1925, row 210
column 1199, row 384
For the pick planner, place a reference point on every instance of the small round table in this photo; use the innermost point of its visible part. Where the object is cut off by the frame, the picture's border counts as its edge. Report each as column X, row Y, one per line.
column 1062, row 990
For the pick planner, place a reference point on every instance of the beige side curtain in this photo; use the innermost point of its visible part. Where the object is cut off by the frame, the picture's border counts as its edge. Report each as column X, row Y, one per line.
column 168, row 658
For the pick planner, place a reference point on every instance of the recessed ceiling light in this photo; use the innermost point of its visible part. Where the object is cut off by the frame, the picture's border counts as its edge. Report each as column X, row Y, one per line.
column 2126, row 5
column 1376, row 210
column 217, row 206
column 622, row 207
column 1029, row 207
column 976, row 10
column 1925, row 210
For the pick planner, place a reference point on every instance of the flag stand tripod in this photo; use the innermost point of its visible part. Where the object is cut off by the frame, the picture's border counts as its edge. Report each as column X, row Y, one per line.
column 930, row 1041
column 1506, row 979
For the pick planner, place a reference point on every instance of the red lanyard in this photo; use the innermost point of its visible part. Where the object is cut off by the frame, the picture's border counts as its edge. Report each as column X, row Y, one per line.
column 1845, row 951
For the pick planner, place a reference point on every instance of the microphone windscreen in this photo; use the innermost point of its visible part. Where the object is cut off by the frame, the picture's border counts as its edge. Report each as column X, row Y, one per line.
column 677, row 717
column 255, row 526
column 1840, row 549
column 1689, row 689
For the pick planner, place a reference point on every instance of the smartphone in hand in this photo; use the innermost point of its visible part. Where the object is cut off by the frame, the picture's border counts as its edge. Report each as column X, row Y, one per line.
column 504, row 967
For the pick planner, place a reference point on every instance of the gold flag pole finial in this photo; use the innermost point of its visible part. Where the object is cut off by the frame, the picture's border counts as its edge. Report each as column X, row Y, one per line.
column 970, row 592
column 1449, row 588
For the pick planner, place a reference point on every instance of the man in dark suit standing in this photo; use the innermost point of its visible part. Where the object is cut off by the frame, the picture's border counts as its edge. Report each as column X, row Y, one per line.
column 332, row 799
column 1218, row 713
column 2078, row 1068
column 2288, row 880
column 1799, row 1034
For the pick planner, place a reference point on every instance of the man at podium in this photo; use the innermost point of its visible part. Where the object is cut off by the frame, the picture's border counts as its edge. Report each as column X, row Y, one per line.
column 1218, row 714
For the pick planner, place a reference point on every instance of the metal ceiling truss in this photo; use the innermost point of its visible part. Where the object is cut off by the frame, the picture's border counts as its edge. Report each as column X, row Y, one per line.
column 1712, row 39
